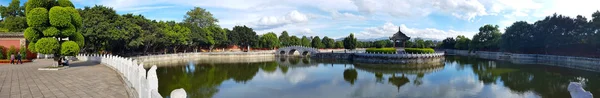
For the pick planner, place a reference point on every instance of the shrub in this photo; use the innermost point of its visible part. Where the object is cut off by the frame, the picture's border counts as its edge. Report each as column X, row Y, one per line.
column 381, row 50
column 419, row 50
column 38, row 17
column 65, row 3
column 12, row 50
column 32, row 34
column 51, row 31
column 32, row 4
column 47, row 46
column 69, row 48
column 59, row 17
column 78, row 38
column 68, row 31
column 31, row 47
column 23, row 52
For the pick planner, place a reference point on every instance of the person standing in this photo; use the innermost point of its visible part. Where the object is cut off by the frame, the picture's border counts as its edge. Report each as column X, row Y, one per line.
column 12, row 58
column 19, row 59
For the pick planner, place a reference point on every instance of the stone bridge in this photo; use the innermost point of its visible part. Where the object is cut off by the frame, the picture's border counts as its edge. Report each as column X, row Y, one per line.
column 290, row 50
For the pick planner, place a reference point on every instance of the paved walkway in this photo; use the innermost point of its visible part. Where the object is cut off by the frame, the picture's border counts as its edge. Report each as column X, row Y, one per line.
column 82, row 80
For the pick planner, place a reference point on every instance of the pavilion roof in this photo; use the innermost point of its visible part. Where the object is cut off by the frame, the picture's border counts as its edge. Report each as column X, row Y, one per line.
column 399, row 36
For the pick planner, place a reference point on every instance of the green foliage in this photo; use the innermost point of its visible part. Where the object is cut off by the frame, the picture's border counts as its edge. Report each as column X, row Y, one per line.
column 51, row 32
column 350, row 75
column 12, row 10
column 517, row 37
column 37, row 17
column 47, row 46
column 31, row 34
column 1, row 53
column 381, row 43
column 448, row 43
column 350, row 42
column 32, row 4
column 381, row 50
column 270, row 40
column 15, row 24
column 462, row 42
column 12, row 50
column 295, row 41
column 65, row 3
column 59, row 16
column 488, row 38
column 69, row 48
column 328, row 42
column 78, row 38
column 219, row 35
column 23, row 52
column 100, row 30
column 31, row 47
column 200, row 18
column 339, row 44
column 419, row 50
column 284, row 38
column 76, row 19
column 243, row 36
column 316, row 42
column 68, row 31
column 305, row 41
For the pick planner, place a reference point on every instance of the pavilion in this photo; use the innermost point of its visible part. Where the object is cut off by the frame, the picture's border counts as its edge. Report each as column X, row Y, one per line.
column 399, row 37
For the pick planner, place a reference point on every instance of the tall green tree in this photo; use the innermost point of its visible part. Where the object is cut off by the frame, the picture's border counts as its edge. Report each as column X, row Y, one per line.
column 270, row 40
column 13, row 17
column 316, row 42
column 448, row 43
column 488, row 38
column 305, row 41
column 339, row 44
column 99, row 28
column 295, row 41
column 350, row 42
column 220, row 36
column 175, row 35
column 419, row 43
column 328, row 42
column 243, row 36
column 284, row 39
column 462, row 42
column 517, row 37
column 200, row 17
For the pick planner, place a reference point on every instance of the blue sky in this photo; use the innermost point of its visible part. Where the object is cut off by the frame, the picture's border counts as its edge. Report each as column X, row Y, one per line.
column 436, row 19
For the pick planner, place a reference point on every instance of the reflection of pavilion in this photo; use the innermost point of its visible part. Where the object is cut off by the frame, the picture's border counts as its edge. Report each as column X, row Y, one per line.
column 295, row 62
column 398, row 81
column 400, row 68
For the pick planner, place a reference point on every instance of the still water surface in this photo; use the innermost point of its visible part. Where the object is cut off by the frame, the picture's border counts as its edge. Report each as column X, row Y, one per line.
column 456, row 77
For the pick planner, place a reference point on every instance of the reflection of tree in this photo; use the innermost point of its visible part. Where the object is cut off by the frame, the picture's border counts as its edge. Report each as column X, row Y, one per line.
column 379, row 77
column 350, row 75
column 206, row 78
column 269, row 67
column 294, row 61
column 419, row 79
column 306, row 60
column 543, row 80
column 398, row 81
column 284, row 69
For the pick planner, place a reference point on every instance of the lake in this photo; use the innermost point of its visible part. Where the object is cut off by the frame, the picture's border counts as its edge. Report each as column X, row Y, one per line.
column 455, row 77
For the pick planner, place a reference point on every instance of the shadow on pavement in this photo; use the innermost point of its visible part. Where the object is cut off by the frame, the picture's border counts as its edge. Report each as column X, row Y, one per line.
column 83, row 63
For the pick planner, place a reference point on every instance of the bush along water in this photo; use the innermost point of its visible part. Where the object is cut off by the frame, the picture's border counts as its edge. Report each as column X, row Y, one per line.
column 419, row 50
column 382, row 50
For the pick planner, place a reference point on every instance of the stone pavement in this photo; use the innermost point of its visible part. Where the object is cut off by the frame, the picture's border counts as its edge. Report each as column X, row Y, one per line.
column 81, row 80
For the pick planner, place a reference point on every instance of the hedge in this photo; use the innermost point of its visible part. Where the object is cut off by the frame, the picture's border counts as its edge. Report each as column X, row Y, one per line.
column 419, row 50
column 11, row 51
column 381, row 50
column 69, row 48
column 47, row 45
column 38, row 17
column 51, row 32
column 59, row 17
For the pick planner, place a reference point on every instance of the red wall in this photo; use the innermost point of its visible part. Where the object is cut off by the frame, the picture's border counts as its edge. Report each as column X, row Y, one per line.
column 8, row 43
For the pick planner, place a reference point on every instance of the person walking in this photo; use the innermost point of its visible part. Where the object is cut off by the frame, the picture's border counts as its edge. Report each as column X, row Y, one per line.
column 19, row 57
column 12, row 58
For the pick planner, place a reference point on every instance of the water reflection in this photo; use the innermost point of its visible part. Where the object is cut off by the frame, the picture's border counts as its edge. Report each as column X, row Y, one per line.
column 458, row 77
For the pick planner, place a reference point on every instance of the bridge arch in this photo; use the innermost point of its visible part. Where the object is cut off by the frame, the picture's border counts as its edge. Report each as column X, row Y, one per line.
column 303, row 51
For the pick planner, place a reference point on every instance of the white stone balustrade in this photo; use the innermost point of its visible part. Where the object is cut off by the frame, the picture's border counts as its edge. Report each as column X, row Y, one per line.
column 144, row 85
column 405, row 55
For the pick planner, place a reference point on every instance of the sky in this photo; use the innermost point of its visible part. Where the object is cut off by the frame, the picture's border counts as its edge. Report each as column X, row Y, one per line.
column 431, row 19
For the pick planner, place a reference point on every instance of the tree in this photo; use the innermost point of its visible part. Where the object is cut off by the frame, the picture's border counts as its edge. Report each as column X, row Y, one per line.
column 328, row 42
column 488, row 38
column 220, row 36
column 419, row 43
column 316, row 42
column 15, row 24
column 69, row 48
column 99, row 27
column 429, row 44
column 243, row 36
column 448, row 43
column 305, row 41
column 350, row 42
column 12, row 10
column 517, row 37
column 339, row 44
column 176, row 35
column 200, row 17
column 295, row 41
column 284, row 39
column 462, row 42
column 13, row 15
column 65, row 19
column 270, row 40
column 381, row 43
column 12, row 50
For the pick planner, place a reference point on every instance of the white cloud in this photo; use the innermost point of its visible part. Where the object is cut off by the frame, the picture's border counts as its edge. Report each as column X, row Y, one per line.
column 346, row 16
column 270, row 22
column 388, row 29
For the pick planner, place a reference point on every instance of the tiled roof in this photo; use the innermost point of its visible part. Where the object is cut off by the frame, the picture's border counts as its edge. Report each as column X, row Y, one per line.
column 11, row 34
